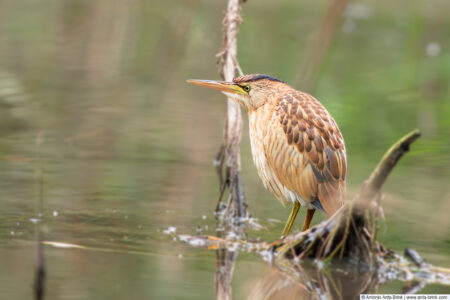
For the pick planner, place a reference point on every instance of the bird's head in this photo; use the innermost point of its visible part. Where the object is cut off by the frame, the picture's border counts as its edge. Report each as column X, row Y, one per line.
column 251, row 91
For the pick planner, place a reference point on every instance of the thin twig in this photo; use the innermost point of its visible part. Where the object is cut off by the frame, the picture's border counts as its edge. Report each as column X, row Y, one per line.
column 229, row 151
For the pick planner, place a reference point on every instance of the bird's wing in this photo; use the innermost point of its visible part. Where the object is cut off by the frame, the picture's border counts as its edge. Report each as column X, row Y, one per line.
column 310, row 158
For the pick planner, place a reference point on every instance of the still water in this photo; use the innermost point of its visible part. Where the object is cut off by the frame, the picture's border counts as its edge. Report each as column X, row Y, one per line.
column 97, row 122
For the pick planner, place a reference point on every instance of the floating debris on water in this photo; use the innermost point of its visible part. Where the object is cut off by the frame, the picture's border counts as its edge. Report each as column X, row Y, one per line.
column 273, row 220
column 414, row 257
column 192, row 240
column 267, row 256
column 252, row 223
column 231, row 244
column 170, row 230
column 62, row 245
column 231, row 235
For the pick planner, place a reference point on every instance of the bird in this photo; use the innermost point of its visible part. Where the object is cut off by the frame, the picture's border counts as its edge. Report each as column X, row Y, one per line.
column 297, row 147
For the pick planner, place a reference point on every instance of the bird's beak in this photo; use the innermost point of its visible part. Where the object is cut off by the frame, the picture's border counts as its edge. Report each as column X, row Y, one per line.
column 223, row 86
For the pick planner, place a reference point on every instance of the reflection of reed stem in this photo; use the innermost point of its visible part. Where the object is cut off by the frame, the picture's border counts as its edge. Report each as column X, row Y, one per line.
column 39, row 272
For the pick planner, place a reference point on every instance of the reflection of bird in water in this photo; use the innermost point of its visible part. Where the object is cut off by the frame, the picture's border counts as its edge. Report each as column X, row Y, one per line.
column 311, row 282
column 297, row 147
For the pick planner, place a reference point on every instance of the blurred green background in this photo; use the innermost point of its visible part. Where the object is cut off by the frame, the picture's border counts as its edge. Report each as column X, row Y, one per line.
column 93, row 97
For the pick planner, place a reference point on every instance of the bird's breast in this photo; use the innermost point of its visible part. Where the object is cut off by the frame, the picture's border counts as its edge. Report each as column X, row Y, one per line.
column 259, row 127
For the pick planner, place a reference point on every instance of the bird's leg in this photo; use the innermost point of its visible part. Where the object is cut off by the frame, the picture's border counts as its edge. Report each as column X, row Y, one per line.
column 291, row 219
column 308, row 218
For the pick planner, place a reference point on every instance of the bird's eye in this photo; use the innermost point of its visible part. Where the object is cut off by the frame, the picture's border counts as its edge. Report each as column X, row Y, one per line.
column 246, row 88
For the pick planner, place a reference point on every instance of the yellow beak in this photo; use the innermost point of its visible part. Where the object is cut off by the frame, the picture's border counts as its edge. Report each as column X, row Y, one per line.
column 223, row 86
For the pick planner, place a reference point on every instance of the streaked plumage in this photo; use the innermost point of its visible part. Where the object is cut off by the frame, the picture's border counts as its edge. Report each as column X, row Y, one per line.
column 296, row 145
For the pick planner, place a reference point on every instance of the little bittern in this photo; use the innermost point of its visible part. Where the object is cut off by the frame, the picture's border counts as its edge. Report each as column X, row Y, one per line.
column 297, row 146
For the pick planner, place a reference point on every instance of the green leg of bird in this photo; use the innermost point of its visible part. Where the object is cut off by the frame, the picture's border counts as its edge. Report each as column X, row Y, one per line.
column 291, row 219
column 309, row 216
